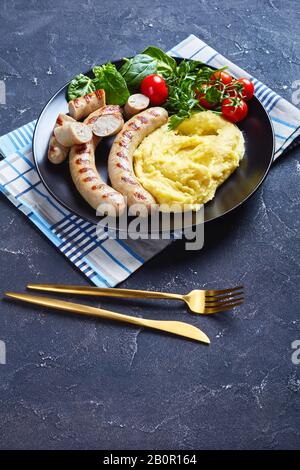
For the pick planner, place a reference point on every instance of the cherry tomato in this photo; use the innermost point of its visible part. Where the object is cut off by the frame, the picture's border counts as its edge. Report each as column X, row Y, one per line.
column 248, row 91
column 155, row 87
column 202, row 99
column 204, row 102
column 224, row 77
column 234, row 110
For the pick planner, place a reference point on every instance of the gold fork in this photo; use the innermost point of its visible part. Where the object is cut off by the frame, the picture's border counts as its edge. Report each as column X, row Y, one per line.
column 199, row 301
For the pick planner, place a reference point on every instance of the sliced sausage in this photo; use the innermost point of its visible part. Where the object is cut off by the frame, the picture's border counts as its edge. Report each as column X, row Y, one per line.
column 57, row 153
column 120, row 166
column 86, row 177
column 135, row 104
column 85, row 105
column 73, row 133
column 90, row 120
column 106, row 121
column 109, row 124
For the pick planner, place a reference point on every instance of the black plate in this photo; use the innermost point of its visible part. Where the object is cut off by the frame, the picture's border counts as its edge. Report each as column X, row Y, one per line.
column 259, row 139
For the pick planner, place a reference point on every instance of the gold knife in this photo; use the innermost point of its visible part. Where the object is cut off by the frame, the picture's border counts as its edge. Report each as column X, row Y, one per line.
column 174, row 327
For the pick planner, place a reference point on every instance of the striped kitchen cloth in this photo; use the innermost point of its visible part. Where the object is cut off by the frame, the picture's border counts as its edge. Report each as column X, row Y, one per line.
column 106, row 261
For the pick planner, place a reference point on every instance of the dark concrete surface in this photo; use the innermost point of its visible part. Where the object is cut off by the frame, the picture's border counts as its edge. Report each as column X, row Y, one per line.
column 85, row 384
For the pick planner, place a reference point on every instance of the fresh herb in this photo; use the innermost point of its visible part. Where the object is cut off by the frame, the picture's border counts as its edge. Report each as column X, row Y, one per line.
column 136, row 69
column 80, row 85
column 177, row 119
column 165, row 63
column 108, row 78
column 182, row 92
column 189, row 80
column 213, row 95
column 192, row 85
column 204, row 74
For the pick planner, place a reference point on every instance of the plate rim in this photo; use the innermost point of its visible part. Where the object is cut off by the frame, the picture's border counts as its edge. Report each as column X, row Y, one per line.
column 91, row 221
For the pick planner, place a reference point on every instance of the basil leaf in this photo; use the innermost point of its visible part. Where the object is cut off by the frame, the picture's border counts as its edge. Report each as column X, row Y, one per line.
column 165, row 63
column 136, row 69
column 108, row 78
column 80, row 85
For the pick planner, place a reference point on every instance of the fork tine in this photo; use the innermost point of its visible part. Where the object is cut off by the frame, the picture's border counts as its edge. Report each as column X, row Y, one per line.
column 220, row 298
column 222, row 308
column 210, row 310
column 223, row 291
column 228, row 294
column 216, row 303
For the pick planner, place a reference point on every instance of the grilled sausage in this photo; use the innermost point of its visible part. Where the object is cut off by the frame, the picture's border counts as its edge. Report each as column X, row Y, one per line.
column 57, row 153
column 110, row 121
column 86, row 177
column 81, row 107
column 73, row 133
column 135, row 104
column 107, row 125
column 112, row 109
column 120, row 166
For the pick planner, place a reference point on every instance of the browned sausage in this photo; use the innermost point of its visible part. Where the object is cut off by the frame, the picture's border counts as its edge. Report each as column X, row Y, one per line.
column 109, row 122
column 57, row 153
column 86, row 177
column 81, row 107
column 73, row 133
column 120, row 167
column 136, row 104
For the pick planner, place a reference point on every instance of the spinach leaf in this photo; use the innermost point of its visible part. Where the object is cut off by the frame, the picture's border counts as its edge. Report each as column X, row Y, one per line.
column 80, row 85
column 165, row 63
column 136, row 69
column 108, row 78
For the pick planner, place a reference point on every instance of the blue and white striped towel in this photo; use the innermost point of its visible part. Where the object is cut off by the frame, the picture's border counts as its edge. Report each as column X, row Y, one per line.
column 105, row 261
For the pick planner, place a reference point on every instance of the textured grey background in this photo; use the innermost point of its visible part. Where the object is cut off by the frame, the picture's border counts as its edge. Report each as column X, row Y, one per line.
column 85, row 384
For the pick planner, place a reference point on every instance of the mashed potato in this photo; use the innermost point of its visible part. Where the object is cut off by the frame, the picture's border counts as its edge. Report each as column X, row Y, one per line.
column 187, row 165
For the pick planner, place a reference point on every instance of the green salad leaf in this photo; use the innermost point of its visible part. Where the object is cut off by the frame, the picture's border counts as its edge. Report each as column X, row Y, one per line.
column 186, row 81
column 182, row 98
column 189, row 79
column 213, row 95
column 108, row 78
column 80, row 85
column 136, row 69
column 165, row 63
